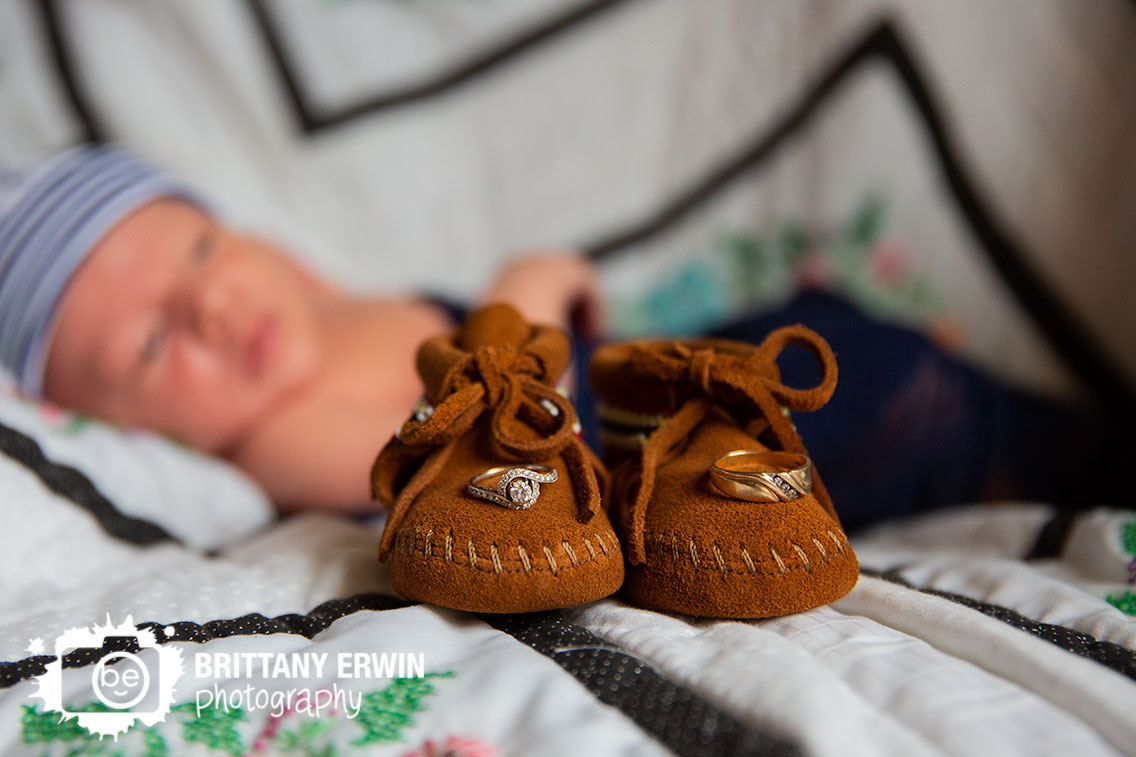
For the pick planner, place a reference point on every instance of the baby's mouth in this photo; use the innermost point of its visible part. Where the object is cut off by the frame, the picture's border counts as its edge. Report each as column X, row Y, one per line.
column 260, row 346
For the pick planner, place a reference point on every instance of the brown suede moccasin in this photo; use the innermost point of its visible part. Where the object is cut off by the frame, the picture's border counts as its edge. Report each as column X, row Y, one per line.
column 515, row 541
column 669, row 411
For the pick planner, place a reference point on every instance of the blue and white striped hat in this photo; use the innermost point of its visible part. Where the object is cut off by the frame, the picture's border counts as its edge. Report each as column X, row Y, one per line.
column 50, row 218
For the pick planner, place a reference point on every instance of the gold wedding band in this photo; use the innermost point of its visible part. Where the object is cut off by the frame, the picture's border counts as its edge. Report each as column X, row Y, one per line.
column 767, row 476
column 517, row 489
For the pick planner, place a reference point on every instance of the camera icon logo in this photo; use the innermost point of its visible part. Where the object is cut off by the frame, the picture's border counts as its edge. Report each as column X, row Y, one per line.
column 123, row 686
column 132, row 687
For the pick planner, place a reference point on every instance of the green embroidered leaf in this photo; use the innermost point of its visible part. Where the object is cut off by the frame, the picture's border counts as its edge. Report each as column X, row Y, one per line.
column 384, row 714
column 1128, row 537
column 301, row 741
column 154, row 743
column 76, row 424
column 751, row 269
column 303, row 737
column 868, row 222
column 286, row 741
column 313, row 729
column 1125, row 601
column 39, row 727
column 792, row 241
column 214, row 727
column 44, row 727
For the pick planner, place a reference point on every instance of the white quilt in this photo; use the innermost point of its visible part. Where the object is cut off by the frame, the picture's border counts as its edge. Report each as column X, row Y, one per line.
column 953, row 642
column 950, row 643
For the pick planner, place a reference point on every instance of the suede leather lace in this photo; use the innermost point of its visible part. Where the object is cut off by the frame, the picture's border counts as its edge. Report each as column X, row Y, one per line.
column 514, row 387
column 747, row 385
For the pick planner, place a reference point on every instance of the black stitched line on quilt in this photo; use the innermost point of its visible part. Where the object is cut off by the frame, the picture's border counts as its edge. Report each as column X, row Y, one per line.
column 1107, row 653
column 1080, row 351
column 311, row 122
column 253, row 624
column 65, row 67
column 1052, row 537
column 676, row 716
column 70, row 483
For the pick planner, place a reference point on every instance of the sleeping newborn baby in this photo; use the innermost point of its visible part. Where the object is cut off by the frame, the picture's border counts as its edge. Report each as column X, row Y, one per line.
column 122, row 297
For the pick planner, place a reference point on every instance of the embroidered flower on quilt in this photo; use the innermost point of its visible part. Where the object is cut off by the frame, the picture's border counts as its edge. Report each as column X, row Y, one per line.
column 454, row 746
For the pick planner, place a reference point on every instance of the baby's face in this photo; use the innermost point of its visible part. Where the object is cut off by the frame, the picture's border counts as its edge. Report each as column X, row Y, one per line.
column 178, row 324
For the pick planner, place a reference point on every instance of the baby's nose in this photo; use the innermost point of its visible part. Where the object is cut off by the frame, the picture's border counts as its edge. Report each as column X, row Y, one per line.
column 216, row 313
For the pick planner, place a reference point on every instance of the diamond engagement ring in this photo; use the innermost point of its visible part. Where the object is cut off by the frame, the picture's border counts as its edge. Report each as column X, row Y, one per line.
column 767, row 476
column 517, row 489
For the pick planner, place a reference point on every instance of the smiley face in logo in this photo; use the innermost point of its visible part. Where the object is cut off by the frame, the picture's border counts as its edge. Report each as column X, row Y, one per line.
column 122, row 686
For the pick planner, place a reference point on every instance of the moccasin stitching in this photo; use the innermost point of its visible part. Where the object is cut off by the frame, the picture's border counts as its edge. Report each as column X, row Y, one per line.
column 666, row 545
column 407, row 542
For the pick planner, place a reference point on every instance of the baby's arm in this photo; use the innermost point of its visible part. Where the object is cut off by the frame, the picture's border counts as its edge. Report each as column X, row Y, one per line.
column 556, row 288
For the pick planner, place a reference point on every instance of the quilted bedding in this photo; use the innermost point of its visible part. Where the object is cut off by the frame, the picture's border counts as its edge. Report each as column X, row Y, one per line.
column 996, row 629
column 388, row 141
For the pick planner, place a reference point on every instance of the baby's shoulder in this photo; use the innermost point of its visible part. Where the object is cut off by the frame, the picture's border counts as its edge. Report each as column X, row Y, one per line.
column 317, row 452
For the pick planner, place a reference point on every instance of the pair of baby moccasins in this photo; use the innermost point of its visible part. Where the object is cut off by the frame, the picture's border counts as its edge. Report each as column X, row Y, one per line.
column 497, row 505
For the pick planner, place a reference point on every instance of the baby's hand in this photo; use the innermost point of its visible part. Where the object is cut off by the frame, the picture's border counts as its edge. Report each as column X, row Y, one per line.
column 556, row 288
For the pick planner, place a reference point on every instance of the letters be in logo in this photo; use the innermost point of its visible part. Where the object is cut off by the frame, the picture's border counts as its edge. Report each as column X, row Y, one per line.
column 130, row 688
column 121, row 686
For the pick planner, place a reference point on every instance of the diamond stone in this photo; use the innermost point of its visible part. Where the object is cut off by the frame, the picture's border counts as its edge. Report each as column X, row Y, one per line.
column 522, row 491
